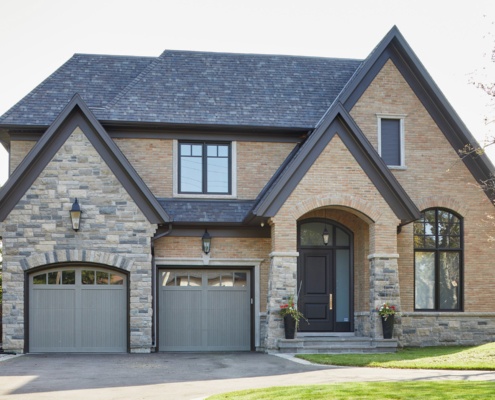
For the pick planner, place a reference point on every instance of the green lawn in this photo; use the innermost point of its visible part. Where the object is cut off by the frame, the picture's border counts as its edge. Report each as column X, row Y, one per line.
column 461, row 358
column 371, row 390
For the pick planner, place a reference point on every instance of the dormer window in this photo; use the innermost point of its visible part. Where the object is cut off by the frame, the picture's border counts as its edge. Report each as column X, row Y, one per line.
column 205, row 168
column 391, row 140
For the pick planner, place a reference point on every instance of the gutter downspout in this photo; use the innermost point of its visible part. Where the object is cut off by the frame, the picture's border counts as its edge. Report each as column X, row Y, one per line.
column 154, row 281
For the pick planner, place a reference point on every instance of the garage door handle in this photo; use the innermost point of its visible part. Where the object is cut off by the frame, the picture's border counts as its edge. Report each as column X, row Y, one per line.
column 330, row 303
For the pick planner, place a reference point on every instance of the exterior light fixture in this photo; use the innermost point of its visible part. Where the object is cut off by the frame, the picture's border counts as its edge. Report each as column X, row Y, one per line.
column 75, row 215
column 325, row 236
column 206, row 240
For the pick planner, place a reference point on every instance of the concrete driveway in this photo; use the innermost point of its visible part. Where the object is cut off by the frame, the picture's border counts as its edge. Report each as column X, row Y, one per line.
column 178, row 376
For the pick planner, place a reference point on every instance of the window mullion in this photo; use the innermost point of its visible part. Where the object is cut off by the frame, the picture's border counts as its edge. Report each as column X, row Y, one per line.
column 205, row 166
column 437, row 263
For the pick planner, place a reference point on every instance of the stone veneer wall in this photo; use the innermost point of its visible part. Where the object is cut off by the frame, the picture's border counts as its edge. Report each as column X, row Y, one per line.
column 384, row 287
column 113, row 232
column 446, row 328
column 282, row 281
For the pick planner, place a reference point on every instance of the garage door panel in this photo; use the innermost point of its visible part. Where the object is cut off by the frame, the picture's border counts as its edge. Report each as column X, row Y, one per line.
column 183, row 306
column 103, row 317
column 208, row 317
column 66, row 315
column 52, row 319
column 228, row 321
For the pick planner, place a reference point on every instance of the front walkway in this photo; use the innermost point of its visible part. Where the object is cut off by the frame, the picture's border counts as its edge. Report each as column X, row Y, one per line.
column 179, row 376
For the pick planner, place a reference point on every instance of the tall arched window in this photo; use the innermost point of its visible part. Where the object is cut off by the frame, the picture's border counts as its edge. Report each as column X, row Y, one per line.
column 438, row 257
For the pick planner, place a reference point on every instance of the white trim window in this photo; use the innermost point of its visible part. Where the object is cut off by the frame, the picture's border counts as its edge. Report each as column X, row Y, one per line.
column 391, row 146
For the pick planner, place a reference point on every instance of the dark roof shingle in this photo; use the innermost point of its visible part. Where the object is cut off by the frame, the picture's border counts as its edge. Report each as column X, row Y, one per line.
column 96, row 78
column 209, row 211
column 183, row 87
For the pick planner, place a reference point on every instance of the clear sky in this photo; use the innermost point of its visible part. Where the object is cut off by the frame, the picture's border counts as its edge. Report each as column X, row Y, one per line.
column 451, row 38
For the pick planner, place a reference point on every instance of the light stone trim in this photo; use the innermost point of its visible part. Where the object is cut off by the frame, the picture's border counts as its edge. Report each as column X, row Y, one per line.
column 284, row 254
column 227, row 262
column 383, row 255
column 76, row 255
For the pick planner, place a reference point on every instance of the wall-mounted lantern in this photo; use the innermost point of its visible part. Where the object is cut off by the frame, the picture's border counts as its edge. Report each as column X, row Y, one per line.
column 325, row 236
column 206, row 240
column 75, row 215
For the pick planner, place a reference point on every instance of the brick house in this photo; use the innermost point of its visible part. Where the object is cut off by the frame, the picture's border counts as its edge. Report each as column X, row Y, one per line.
column 339, row 179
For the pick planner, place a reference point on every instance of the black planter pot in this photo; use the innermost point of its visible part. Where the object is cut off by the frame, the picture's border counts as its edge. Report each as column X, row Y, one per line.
column 388, row 327
column 290, row 327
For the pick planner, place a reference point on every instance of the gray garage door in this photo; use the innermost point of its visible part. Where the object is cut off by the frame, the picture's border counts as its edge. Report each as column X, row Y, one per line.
column 77, row 309
column 204, row 310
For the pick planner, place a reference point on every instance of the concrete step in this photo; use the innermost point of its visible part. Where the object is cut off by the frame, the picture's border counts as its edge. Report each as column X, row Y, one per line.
column 336, row 345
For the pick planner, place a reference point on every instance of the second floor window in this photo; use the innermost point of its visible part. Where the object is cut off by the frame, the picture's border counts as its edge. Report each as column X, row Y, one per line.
column 391, row 141
column 204, row 168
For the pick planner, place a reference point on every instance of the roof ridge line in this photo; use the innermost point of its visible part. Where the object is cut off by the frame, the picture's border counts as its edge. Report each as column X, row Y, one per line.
column 131, row 84
column 257, row 54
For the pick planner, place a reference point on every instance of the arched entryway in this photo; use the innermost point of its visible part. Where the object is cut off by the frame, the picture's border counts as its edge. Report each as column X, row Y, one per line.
column 325, row 276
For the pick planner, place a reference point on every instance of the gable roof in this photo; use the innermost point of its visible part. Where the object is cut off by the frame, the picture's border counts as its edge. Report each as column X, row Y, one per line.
column 77, row 113
column 337, row 121
column 182, row 87
column 394, row 47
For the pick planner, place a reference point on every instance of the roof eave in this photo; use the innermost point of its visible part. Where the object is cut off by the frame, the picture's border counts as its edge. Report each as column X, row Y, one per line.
column 77, row 113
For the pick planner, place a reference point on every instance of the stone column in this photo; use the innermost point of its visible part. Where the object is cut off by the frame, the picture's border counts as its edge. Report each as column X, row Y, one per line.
column 384, row 287
column 13, row 305
column 282, row 282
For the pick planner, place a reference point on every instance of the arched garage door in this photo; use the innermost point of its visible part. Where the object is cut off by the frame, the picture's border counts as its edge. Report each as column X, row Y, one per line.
column 77, row 309
column 204, row 310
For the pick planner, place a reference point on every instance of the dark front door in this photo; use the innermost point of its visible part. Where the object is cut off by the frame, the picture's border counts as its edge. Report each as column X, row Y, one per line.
column 325, row 277
column 316, row 297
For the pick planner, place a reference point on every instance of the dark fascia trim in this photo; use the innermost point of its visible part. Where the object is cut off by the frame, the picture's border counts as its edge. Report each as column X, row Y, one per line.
column 21, row 128
column 377, row 170
column 251, row 217
column 113, row 126
column 213, row 132
column 188, row 132
column 339, row 121
column 76, row 113
column 396, row 48
column 220, row 231
column 25, row 136
column 5, row 139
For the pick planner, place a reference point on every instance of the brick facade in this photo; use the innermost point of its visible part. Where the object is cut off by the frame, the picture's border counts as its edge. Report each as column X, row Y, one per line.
column 19, row 150
column 256, row 164
column 434, row 177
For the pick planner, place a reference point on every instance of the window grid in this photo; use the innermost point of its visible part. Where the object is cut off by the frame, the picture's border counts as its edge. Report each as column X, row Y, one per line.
column 438, row 252
column 205, row 168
